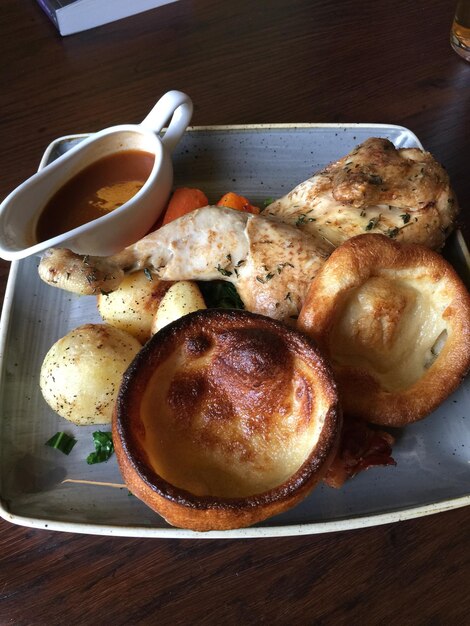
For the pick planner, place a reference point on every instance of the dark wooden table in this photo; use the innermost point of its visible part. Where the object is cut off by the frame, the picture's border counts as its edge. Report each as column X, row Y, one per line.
column 241, row 62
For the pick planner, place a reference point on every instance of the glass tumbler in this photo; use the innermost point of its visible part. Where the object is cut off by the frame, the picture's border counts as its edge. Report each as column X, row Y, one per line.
column 460, row 33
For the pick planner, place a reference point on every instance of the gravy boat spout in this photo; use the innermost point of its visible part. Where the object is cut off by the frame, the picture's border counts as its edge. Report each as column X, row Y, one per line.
column 110, row 233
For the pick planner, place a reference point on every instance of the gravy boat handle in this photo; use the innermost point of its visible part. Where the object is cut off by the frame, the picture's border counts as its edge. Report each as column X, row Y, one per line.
column 179, row 107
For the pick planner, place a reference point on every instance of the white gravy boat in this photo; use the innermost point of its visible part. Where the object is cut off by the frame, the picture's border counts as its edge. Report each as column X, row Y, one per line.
column 20, row 211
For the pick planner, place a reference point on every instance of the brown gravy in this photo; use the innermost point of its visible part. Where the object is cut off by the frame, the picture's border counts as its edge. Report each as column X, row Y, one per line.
column 97, row 190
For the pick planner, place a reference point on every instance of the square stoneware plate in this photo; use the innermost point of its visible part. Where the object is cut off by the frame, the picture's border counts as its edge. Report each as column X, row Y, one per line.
column 36, row 488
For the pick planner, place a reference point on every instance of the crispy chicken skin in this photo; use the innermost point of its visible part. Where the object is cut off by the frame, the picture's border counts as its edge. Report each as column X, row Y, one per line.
column 270, row 263
column 402, row 193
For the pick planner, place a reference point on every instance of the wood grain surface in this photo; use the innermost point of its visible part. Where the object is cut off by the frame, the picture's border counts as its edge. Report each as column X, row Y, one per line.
column 241, row 62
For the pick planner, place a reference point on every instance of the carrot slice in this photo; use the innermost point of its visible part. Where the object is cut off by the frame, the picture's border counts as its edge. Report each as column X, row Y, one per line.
column 184, row 200
column 232, row 200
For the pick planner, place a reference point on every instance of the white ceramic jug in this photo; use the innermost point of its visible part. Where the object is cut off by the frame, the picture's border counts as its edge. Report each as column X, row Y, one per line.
column 20, row 211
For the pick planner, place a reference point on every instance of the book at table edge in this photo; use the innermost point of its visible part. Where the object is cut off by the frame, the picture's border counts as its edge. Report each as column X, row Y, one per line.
column 74, row 16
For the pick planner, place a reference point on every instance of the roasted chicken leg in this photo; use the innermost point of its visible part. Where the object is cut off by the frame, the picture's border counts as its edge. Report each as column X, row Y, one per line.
column 270, row 263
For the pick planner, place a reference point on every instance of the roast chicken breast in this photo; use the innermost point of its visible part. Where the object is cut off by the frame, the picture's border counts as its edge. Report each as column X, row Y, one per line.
column 270, row 263
column 402, row 193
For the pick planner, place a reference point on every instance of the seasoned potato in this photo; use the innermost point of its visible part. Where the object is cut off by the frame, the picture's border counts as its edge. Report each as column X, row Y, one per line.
column 181, row 298
column 81, row 373
column 132, row 306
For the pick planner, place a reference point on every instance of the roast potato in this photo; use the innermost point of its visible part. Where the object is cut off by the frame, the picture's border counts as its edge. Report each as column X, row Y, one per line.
column 131, row 307
column 181, row 298
column 81, row 373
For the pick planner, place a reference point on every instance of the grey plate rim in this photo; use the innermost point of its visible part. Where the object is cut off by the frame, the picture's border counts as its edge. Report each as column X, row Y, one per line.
column 347, row 523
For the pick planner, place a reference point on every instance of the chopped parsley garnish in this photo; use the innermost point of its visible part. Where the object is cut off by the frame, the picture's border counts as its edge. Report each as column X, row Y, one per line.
column 91, row 278
column 302, row 219
column 223, row 270
column 63, row 442
column 405, row 217
column 239, row 264
column 148, row 274
column 266, row 203
column 267, row 277
column 392, row 232
column 104, row 447
column 372, row 223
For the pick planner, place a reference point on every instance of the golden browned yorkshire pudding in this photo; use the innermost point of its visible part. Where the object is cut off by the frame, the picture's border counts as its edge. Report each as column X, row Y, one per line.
column 224, row 419
column 402, row 193
column 394, row 319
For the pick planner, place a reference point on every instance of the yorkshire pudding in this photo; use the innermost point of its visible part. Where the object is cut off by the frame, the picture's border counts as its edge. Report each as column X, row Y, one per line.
column 394, row 319
column 224, row 419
